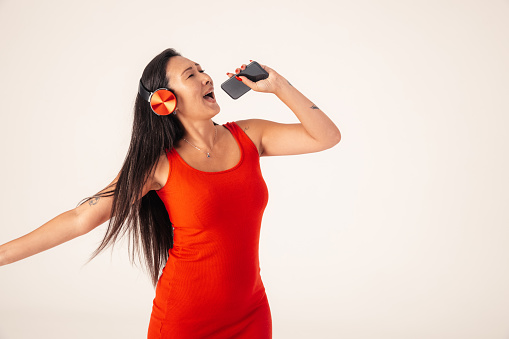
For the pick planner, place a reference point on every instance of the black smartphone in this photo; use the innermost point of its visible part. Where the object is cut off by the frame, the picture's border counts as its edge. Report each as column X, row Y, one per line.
column 235, row 88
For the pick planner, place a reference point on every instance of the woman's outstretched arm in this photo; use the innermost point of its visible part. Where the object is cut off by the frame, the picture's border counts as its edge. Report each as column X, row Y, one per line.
column 70, row 224
column 62, row 228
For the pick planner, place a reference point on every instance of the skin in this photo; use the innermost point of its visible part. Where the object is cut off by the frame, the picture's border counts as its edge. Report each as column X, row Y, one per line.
column 314, row 132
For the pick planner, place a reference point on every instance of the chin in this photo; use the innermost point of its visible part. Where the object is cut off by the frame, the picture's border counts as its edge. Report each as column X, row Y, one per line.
column 216, row 111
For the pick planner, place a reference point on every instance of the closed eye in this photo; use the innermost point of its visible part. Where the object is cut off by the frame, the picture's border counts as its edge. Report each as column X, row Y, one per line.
column 193, row 74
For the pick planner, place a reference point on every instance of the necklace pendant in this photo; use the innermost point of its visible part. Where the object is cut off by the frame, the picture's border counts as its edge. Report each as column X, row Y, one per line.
column 208, row 155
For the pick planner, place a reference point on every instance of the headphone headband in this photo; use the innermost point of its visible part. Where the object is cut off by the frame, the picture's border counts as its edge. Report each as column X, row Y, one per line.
column 145, row 93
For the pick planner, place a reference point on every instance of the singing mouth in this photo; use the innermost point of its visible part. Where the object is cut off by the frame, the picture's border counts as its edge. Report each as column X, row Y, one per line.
column 210, row 95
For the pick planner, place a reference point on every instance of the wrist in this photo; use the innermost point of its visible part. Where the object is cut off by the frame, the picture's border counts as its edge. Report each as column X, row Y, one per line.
column 281, row 85
column 3, row 259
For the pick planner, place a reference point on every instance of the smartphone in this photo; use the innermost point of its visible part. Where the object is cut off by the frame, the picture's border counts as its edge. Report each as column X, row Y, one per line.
column 235, row 89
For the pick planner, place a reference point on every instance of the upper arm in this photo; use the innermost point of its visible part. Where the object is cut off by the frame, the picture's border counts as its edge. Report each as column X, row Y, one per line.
column 273, row 138
column 97, row 209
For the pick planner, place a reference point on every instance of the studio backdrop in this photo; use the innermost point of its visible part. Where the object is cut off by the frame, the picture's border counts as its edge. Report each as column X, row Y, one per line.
column 400, row 231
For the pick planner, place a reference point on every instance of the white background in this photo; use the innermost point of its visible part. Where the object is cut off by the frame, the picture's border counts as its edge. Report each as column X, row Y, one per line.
column 400, row 231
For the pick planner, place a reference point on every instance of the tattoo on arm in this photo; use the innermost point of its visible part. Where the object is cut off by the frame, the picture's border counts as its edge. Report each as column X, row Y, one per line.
column 93, row 201
column 314, row 107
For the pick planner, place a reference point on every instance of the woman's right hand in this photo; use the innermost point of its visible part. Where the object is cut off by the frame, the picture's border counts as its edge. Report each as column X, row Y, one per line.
column 268, row 85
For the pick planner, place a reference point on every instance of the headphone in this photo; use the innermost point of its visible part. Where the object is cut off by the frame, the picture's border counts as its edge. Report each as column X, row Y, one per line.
column 162, row 101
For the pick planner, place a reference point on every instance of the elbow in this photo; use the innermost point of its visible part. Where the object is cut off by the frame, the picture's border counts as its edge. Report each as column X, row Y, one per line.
column 334, row 138
column 337, row 137
column 78, row 221
column 82, row 221
column 86, row 218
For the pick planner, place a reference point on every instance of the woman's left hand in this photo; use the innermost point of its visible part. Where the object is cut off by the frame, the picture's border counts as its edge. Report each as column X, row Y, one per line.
column 268, row 85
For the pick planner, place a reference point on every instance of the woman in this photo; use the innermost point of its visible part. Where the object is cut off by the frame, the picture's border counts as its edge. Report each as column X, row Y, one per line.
column 191, row 196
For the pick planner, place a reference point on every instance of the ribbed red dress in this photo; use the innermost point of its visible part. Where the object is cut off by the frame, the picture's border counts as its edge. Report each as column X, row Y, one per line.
column 211, row 285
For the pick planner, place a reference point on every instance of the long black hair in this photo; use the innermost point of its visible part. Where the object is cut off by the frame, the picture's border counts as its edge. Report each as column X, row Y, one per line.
column 145, row 220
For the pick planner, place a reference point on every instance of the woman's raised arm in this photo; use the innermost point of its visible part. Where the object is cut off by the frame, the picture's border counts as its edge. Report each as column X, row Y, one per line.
column 315, row 132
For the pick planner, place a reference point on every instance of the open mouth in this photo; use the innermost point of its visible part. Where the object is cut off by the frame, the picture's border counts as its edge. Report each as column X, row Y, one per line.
column 209, row 96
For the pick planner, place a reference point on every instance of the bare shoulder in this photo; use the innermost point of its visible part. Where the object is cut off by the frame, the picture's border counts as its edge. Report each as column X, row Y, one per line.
column 254, row 130
column 257, row 127
column 160, row 174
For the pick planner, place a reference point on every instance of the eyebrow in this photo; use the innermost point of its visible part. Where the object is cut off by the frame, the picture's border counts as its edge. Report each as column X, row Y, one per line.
column 189, row 68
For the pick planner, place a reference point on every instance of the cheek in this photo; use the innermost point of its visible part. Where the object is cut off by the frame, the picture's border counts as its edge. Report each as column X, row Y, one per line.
column 182, row 97
column 188, row 94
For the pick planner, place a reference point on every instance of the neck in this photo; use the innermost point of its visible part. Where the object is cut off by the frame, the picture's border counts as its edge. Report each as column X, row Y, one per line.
column 200, row 133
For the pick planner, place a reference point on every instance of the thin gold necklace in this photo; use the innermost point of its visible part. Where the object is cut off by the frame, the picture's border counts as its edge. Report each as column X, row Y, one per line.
column 199, row 149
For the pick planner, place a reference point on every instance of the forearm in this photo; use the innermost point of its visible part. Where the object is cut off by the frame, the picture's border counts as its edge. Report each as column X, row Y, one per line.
column 316, row 123
column 58, row 230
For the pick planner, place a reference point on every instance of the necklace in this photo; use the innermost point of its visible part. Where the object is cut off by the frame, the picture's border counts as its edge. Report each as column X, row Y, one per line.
column 199, row 149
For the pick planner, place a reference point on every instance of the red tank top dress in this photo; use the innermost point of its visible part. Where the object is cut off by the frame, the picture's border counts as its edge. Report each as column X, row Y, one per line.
column 210, row 286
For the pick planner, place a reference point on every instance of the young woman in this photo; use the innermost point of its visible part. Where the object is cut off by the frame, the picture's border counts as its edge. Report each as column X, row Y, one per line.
column 191, row 196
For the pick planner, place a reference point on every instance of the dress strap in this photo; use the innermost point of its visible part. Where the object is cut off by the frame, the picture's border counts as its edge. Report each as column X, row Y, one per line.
column 241, row 136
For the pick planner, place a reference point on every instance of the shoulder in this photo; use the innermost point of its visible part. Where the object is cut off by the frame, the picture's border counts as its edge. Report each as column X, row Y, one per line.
column 161, row 171
column 250, row 123
column 254, row 130
column 257, row 130
column 256, row 126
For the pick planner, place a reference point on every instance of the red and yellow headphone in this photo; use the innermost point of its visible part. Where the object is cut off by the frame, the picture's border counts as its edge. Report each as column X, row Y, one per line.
column 162, row 101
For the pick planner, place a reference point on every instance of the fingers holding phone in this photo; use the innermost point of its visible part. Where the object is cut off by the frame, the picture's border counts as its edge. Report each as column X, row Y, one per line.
column 259, row 78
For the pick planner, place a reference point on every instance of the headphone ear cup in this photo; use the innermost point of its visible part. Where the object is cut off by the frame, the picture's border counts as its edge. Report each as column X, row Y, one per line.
column 163, row 101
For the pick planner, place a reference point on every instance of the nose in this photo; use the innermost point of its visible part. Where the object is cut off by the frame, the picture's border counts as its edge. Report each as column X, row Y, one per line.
column 207, row 79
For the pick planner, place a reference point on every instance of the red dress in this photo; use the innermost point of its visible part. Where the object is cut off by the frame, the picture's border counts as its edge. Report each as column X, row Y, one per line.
column 211, row 285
